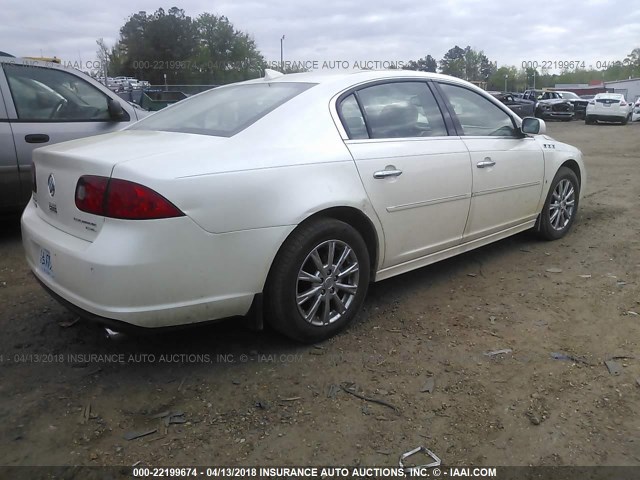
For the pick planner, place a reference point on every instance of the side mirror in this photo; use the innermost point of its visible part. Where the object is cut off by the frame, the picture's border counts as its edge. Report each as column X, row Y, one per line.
column 115, row 109
column 533, row 126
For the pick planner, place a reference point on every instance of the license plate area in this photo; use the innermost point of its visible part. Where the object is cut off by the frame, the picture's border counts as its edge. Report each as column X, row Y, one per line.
column 45, row 261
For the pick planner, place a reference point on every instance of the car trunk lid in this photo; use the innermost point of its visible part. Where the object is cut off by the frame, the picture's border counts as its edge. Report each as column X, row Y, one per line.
column 59, row 167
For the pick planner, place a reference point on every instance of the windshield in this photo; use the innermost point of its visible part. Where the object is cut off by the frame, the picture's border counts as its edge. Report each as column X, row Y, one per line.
column 223, row 111
column 569, row 95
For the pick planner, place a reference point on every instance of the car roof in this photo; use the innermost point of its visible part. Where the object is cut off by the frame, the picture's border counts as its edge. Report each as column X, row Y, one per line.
column 352, row 78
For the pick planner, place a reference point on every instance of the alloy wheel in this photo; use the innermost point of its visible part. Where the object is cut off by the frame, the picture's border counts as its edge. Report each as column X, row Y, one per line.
column 562, row 205
column 327, row 282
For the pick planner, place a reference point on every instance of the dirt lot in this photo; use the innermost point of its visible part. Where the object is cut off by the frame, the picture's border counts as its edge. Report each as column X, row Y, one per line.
column 252, row 398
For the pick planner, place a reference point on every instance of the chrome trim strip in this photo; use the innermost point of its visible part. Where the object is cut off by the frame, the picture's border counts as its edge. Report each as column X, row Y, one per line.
column 426, row 203
column 505, row 189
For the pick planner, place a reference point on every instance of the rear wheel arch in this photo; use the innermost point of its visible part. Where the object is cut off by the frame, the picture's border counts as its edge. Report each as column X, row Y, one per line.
column 359, row 221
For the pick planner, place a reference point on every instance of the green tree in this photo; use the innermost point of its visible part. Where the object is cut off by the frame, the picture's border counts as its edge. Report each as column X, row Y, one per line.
column 467, row 63
column 224, row 53
column 205, row 50
column 453, row 62
column 425, row 64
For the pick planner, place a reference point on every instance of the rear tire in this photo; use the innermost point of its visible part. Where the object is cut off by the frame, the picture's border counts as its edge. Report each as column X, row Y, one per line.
column 625, row 121
column 318, row 281
column 561, row 206
column 589, row 120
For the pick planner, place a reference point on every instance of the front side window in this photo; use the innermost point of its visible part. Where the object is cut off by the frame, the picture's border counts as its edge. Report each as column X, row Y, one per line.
column 223, row 111
column 47, row 94
column 402, row 110
column 477, row 115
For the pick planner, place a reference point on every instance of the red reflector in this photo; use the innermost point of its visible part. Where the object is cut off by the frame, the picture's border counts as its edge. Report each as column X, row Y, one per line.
column 118, row 198
column 132, row 201
column 90, row 192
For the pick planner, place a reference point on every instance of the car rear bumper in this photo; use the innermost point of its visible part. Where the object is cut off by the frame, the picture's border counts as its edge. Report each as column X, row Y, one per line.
column 155, row 273
column 606, row 118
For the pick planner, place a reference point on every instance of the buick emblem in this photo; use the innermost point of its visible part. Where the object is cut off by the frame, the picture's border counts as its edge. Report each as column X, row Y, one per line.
column 51, row 182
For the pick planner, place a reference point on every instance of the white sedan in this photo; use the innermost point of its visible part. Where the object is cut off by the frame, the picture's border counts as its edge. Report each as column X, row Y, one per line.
column 608, row 107
column 289, row 195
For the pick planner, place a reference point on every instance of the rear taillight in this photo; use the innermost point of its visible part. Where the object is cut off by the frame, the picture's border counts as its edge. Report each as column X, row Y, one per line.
column 118, row 198
column 90, row 194
column 34, row 185
column 592, row 102
column 623, row 103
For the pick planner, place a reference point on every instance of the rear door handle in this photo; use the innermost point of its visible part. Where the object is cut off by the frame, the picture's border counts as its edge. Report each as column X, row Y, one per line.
column 36, row 138
column 487, row 162
column 387, row 173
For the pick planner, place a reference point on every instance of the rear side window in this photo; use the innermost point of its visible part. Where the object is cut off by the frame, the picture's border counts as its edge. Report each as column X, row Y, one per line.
column 401, row 110
column 47, row 94
column 223, row 111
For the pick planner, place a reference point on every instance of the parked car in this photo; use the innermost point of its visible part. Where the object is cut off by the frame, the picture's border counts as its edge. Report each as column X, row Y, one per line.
column 520, row 106
column 533, row 95
column 579, row 104
column 550, row 105
column 44, row 104
column 608, row 107
column 293, row 192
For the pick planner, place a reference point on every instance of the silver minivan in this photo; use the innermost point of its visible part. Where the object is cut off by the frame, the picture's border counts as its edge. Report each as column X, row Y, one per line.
column 43, row 103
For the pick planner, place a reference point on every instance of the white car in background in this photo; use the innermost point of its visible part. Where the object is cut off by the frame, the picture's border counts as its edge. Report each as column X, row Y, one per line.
column 608, row 107
column 291, row 191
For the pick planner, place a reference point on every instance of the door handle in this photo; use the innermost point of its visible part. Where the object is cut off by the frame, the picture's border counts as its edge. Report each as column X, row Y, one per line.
column 387, row 173
column 487, row 162
column 36, row 138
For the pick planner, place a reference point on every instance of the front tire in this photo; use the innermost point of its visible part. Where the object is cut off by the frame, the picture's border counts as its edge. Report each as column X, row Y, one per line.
column 560, row 208
column 318, row 281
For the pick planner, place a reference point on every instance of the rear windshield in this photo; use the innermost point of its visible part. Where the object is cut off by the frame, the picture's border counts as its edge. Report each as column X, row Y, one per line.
column 223, row 111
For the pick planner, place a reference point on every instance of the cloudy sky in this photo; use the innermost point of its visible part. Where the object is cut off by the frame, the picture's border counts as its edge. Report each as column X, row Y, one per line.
column 346, row 30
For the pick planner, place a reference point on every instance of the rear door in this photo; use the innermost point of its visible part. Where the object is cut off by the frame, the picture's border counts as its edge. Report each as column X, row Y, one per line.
column 50, row 105
column 9, row 178
column 418, row 178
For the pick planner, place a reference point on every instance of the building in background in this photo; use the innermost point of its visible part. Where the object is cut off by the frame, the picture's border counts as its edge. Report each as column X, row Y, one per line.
column 630, row 88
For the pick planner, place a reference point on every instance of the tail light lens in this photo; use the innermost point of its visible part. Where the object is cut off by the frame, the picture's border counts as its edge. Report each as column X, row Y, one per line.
column 623, row 103
column 592, row 102
column 90, row 194
column 118, row 198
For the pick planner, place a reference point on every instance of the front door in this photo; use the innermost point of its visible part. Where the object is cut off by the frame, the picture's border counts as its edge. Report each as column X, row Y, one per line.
column 508, row 167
